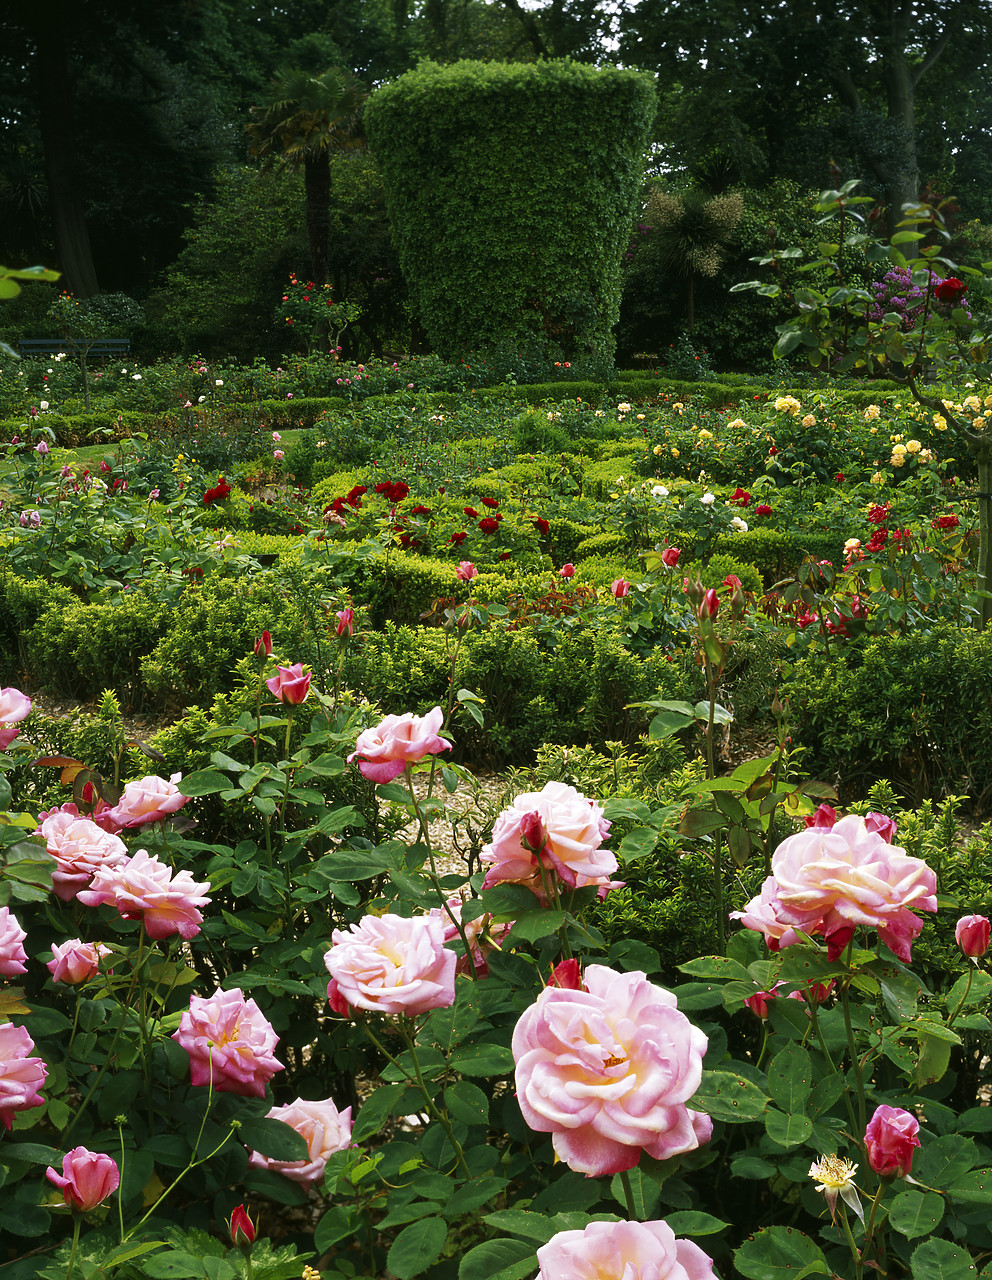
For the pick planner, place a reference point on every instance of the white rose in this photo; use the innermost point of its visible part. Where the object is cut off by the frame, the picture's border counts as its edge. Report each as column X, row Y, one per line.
column 708, row 499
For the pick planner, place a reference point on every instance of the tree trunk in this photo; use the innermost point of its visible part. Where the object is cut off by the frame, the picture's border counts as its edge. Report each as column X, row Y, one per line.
column 72, row 240
column 317, row 185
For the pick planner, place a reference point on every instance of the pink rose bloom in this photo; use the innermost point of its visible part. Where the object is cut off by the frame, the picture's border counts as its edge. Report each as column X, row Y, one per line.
column 466, row 571
column 76, row 961
column 14, row 706
column 834, row 881
column 148, row 799
column 80, row 849
column 670, row 556
column 480, row 933
column 386, row 750
column 760, row 914
column 568, row 828
column 230, row 1041
column 290, row 685
column 620, row 588
column 20, row 1075
column 890, row 1140
column 145, row 889
column 883, row 824
column 608, row 1070
column 972, row 935
column 324, row 1129
column 391, row 964
column 87, row 1178
column 623, row 1251
column 12, row 953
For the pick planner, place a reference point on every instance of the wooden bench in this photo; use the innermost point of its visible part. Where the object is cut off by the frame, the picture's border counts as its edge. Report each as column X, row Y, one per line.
column 105, row 347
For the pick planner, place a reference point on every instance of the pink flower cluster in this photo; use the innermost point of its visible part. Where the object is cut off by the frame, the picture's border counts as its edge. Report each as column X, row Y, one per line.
column 391, row 964
column 557, row 830
column 832, row 880
column 607, row 1069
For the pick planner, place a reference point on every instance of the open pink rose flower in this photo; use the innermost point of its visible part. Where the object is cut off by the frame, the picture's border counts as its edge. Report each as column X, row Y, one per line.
column 80, row 849
column 323, row 1128
column 21, row 1076
column 608, row 1070
column 623, row 1251
column 14, row 707
column 290, row 684
column 385, row 751
column 142, row 888
column 12, row 953
column 391, row 964
column 75, row 961
column 87, row 1178
column 229, row 1041
column 144, row 800
column 568, row 829
column 831, row 881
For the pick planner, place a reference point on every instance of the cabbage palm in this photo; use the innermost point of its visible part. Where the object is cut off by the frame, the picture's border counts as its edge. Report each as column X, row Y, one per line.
column 692, row 233
column 304, row 118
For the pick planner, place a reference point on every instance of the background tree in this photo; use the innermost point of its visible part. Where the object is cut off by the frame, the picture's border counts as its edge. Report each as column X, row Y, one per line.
column 691, row 234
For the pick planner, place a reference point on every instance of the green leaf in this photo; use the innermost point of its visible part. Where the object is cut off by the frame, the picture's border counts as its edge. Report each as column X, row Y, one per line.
column 521, row 1222
column 693, row 1222
column 941, row 1260
column 975, row 1120
column 338, row 1223
column 637, row 844
column 916, row 1213
column 466, row 1103
column 698, row 995
column 499, row 1260
column 204, row 782
column 532, row 925
column 376, row 1110
column 645, row 1191
column 719, row 967
column 273, row 1138
column 665, row 723
column 417, row 1247
column 790, row 1078
column 900, row 989
column 174, row 1263
column 726, row 1096
column 787, row 1130
column 974, row 1188
column 700, row 822
column 779, row 1253
column 483, row 1060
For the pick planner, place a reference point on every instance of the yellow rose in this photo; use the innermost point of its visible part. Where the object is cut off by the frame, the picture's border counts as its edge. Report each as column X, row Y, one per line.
column 878, row 478
column 872, row 412
column 656, row 450
column 913, row 446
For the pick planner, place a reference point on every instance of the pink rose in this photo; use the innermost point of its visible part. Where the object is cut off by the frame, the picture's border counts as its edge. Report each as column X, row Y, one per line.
column 230, row 1042
column 883, row 824
column 346, row 622
column 143, row 888
column 391, row 964
column 761, row 915
column 387, row 749
column 466, row 571
column 80, row 848
column 14, row 706
column 890, row 1139
column 144, row 800
column 12, row 953
column 608, row 1070
column 87, row 1178
column 972, row 934
column 567, row 571
column 833, row 881
column 290, row 685
column 670, row 556
column 566, row 828
column 20, row 1076
column 322, row 1126
column 631, row 1250
column 75, row 961
column 620, row 588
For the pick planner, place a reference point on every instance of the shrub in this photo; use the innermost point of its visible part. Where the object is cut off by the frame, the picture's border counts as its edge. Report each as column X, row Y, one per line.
column 570, row 138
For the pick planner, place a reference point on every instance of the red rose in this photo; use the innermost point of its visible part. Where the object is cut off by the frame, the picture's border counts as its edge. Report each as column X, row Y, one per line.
column 878, row 515
column 950, row 290
column 763, row 510
column 542, row 526
column 741, row 497
column 472, row 513
column 946, row 522
column 488, row 525
column 490, row 502
column 458, row 537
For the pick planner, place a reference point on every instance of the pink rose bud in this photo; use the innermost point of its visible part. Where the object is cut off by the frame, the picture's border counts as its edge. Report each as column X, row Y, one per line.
column 890, row 1139
column 533, row 832
column 567, row 571
column 87, row 1178
column 758, row 1003
column 883, row 824
column 710, row 605
column 241, row 1227
column 263, row 645
column 41, row 447
column 972, row 934
column 466, row 571
column 290, row 685
column 346, row 622
column 278, row 454
column 670, row 556
column 620, row 588
column 75, row 961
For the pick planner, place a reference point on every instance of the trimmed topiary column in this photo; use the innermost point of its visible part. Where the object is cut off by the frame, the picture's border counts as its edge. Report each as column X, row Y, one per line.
column 511, row 189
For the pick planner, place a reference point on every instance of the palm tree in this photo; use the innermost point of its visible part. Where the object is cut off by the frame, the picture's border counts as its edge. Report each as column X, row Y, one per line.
column 304, row 118
column 692, row 233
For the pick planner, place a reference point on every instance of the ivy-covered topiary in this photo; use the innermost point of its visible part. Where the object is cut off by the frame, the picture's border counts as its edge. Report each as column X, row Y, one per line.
column 523, row 174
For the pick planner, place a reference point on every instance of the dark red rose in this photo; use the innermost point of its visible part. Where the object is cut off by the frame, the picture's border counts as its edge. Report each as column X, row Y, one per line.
column 490, row 502
column 950, row 290
column 472, row 513
column 741, row 497
column 488, row 525
column 878, row 515
column 763, row 510
column 946, row 522
column 542, row 526
column 458, row 537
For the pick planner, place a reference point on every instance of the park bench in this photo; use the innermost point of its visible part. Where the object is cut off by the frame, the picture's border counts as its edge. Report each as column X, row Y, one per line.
column 106, row 347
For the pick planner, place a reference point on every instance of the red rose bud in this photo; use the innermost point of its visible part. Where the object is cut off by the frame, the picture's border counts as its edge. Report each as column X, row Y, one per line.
column 242, row 1228
column 567, row 571
column 346, row 622
column 950, row 290
column 695, row 591
column 263, row 645
column 710, row 605
column 890, row 1140
column 972, row 934
column 758, row 1003
column 533, row 832
column 825, row 817
column 568, row 975
column 670, row 556
column 620, row 588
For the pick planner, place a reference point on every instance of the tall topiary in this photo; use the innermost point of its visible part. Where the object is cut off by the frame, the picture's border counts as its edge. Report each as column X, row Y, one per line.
column 511, row 189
